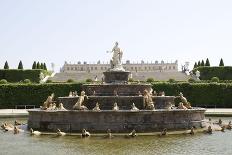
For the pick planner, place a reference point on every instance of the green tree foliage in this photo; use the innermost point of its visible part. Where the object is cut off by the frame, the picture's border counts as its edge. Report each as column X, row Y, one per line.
column 150, row 80
column 88, row 80
column 207, row 62
column 27, row 81
column 214, row 79
column 172, row 80
column 3, row 81
column 202, row 63
column 199, row 64
column 41, row 65
column 221, row 62
column 70, row 81
column 45, row 67
column 38, row 65
column 6, row 66
column 20, row 66
column 195, row 65
column 34, row 65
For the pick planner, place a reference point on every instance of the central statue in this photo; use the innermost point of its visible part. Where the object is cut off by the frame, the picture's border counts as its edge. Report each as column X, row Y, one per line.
column 116, row 61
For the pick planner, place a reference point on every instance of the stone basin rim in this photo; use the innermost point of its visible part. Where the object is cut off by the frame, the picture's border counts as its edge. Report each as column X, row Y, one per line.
column 122, row 111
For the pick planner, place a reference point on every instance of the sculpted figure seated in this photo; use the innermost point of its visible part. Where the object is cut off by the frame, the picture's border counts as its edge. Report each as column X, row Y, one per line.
column 61, row 107
column 184, row 101
column 115, row 108
column 48, row 103
column 79, row 105
column 96, row 108
column 134, row 108
column 181, row 106
column 147, row 101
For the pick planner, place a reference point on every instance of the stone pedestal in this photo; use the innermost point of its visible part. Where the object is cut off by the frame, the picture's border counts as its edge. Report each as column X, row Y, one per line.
column 116, row 76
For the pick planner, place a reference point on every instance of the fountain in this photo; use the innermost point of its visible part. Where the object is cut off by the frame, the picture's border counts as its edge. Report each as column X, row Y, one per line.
column 96, row 111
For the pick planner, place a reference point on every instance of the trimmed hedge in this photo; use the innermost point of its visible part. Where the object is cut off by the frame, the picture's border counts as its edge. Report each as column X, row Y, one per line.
column 199, row 94
column 32, row 94
column 17, row 75
column 223, row 73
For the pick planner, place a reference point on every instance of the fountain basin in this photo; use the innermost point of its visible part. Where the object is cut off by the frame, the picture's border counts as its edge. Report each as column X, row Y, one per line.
column 124, row 102
column 118, row 121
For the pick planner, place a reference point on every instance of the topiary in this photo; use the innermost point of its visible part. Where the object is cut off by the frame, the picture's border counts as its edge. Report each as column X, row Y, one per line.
column 88, row 80
column 214, row 79
column 171, row 80
column 49, row 81
column 130, row 80
column 191, row 80
column 3, row 81
column 150, row 80
column 26, row 81
column 70, row 81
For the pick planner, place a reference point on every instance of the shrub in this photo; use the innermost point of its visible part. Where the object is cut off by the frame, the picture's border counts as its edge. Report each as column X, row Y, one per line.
column 6, row 66
column 130, row 80
column 191, row 80
column 150, row 80
column 16, row 75
column 70, row 81
column 20, row 66
column 88, row 80
column 26, row 81
column 223, row 73
column 214, row 79
column 3, row 81
column 49, row 81
column 172, row 80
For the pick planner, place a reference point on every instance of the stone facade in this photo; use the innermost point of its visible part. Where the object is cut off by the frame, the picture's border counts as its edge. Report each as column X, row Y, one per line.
column 132, row 67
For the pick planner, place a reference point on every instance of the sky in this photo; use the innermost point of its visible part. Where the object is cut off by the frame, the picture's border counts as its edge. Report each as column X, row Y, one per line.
column 55, row 31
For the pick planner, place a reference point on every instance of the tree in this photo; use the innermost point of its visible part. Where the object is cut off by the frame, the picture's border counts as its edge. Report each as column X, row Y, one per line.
column 207, row 62
column 41, row 66
column 6, row 66
column 199, row 64
column 195, row 65
column 45, row 67
column 34, row 65
column 221, row 62
column 38, row 65
column 20, row 66
column 202, row 63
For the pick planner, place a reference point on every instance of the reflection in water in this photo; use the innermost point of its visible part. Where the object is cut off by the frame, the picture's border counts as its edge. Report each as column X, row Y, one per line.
column 23, row 143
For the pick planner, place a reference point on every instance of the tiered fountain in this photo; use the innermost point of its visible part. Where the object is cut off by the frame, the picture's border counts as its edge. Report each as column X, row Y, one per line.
column 139, row 109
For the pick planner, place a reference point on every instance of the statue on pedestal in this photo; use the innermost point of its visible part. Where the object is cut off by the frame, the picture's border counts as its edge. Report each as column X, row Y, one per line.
column 116, row 61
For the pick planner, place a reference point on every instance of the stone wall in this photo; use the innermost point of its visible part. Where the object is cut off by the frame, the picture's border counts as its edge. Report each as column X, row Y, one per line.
column 117, row 121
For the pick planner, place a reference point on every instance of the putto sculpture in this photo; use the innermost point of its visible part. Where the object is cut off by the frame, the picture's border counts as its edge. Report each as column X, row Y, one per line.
column 79, row 105
column 96, row 108
column 184, row 101
column 147, row 101
column 48, row 103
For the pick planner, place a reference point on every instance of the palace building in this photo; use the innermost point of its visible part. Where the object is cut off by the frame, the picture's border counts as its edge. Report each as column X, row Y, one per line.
column 132, row 67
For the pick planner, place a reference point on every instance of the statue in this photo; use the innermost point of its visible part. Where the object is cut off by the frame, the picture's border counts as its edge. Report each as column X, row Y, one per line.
column 116, row 61
column 181, row 106
column 79, row 105
column 48, row 102
column 184, row 101
column 61, row 107
column 147, row 101
column 96, row 108
column 115, row 93
column 70, row 94
column 134, row 108
column 115, row 108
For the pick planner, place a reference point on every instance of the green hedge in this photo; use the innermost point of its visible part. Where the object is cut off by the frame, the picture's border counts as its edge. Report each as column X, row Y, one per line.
column 199, row 94
column 17, row 75
column 32, row 94
column 223, row 73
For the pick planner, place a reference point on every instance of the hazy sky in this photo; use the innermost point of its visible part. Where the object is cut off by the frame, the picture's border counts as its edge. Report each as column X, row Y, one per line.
column 78, row 30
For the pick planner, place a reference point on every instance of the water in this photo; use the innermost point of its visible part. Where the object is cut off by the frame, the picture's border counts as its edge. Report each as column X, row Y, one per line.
column 23, row 143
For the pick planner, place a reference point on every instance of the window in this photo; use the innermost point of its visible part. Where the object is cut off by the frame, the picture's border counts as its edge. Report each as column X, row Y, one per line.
column 68, row 68
column 174, row 67
column 95, row 68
